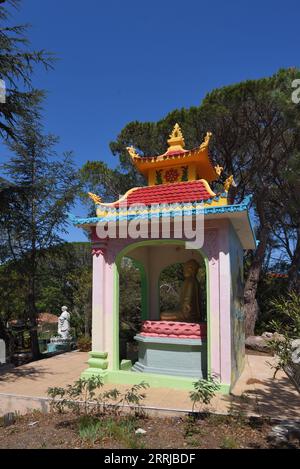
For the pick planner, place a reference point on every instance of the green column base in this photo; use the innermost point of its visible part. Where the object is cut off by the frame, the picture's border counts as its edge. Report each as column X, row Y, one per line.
column 98, row 365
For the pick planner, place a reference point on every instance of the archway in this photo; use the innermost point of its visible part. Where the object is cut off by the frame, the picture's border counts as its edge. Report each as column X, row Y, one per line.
column 144, row 255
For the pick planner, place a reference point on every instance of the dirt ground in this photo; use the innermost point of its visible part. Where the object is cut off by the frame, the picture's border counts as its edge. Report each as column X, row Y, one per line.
column 48, row 431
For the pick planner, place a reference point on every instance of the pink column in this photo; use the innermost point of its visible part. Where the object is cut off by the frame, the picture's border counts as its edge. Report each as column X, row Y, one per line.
column 225, row 316
column 98, row 344
column 212, row 251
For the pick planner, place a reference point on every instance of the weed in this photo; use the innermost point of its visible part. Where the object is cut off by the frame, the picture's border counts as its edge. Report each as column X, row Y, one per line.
column 204, row 391
column 229, row 442
column 89, row 428
column 84, row 396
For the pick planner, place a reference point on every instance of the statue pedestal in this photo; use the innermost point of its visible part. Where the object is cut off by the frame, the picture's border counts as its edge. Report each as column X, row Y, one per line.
column 168, row 354
column 58, row 344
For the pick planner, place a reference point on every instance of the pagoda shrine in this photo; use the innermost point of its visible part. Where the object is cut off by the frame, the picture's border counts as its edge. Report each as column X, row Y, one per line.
column 175, row 347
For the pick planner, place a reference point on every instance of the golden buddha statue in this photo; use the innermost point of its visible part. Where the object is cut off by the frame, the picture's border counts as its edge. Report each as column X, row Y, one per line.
column 189, row 309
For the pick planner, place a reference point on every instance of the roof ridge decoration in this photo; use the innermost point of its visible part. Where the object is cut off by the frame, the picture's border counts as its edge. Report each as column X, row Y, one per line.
column 206, row 140
column 95, row 198
column 181, row 163
column 176, row 140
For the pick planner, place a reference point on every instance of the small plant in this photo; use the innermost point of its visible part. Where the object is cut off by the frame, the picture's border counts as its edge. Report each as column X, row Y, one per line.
column 123, row 430
column 84, row 397
column 204, row 391
column 288, row 329
column 133, row 397
column 229, row 443
column 192, row 431
column 75, row 396
column 84, row 344
column 89, row 428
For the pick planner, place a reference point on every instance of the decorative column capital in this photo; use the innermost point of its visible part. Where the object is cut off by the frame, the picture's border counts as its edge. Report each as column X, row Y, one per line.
column 99, row 248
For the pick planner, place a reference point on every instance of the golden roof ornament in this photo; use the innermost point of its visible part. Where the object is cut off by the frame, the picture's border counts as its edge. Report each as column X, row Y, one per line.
column 132, row 152
column 95, row 198
column 219, row 169
column 207, row 138
column 176, row 140
column 228, row 183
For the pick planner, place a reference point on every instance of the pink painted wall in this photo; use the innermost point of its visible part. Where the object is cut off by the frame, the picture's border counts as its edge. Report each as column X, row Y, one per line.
column 216, row 248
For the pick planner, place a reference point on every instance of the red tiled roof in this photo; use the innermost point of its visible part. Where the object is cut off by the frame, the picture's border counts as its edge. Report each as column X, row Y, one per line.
column 47, row 318
column 190, row 191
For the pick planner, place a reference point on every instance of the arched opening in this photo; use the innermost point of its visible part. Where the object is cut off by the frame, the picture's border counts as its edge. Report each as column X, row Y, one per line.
column 132, row 308
column 150, row 262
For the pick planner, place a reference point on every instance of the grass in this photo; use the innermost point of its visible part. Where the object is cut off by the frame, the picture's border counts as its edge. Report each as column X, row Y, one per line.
column 229, row 442
column 89, row 429
column 193, row 431
column 122, row 430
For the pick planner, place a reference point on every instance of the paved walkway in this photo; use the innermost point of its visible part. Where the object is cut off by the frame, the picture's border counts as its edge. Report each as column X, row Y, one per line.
column 255, row 393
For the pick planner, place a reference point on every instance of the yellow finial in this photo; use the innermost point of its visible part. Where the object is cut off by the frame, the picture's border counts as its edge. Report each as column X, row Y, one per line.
column 176, row 140
column 207, row 138
column 218, row 169
column 228, row 183
column 132, row 152
column 95, row 198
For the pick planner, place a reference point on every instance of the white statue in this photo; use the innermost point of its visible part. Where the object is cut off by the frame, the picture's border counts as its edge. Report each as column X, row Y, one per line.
column 64, row 323
column 2, row 352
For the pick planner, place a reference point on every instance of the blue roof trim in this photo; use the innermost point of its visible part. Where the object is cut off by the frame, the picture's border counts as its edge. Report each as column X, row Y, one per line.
column 243, row 206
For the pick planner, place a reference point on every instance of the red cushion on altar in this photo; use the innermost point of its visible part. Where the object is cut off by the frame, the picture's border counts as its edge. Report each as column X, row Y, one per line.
column 173, row 329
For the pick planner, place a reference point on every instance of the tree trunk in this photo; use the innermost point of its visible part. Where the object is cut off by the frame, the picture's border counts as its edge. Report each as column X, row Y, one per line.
column 35, row 350
column 251, row 307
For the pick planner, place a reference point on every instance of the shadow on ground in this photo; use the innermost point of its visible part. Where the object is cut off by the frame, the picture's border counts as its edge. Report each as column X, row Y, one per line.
column 11, row 374
column 273, row 398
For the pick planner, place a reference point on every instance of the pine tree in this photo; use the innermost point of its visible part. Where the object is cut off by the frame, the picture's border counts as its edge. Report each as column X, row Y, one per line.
column 37, row 214
column 17, row 63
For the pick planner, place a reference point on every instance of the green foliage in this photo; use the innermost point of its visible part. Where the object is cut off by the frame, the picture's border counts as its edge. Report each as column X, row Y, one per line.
column 17, row 62
column 83, row 397
column 130, row 298
column 37, row 214
column 229, row 443
column 204, row 391
column 287, row 308
column 122, row 430
column 89, row 428
column 84, row 344
column 270, row 288
column 134, row 396
column 63, row 277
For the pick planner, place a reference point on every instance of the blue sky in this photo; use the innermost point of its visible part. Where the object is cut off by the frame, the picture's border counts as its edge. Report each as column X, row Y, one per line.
column 137, row 60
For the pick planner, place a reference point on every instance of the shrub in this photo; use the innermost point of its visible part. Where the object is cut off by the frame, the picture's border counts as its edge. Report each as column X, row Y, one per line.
column 84, row 343
column 204, row 391
column 288, row 308
column 84, row 397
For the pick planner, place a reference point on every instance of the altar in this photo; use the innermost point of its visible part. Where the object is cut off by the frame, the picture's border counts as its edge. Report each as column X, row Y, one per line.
column 152, row 225
column 172, row 348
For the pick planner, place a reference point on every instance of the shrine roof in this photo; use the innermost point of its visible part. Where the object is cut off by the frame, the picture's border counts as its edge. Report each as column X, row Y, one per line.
column 238, row 214
column 189, row 191
column 176, row 155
